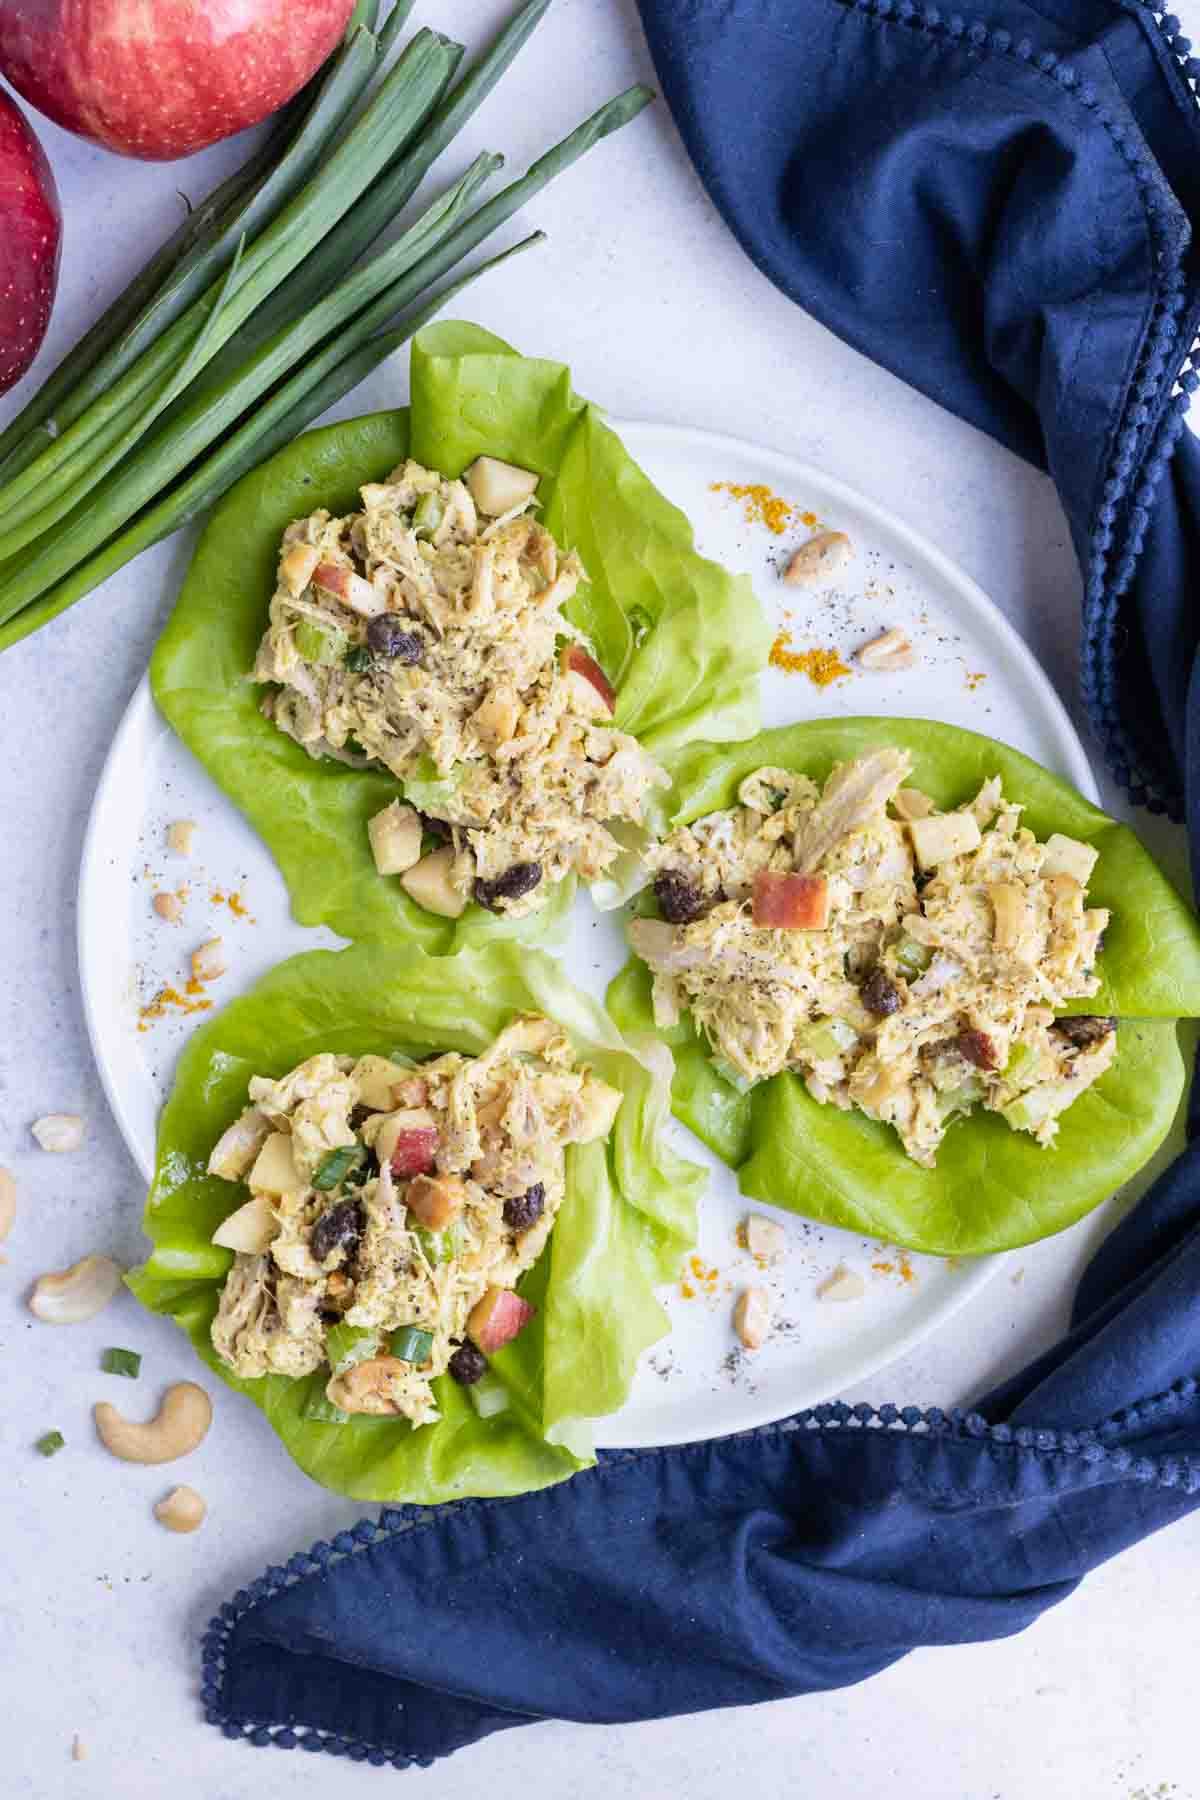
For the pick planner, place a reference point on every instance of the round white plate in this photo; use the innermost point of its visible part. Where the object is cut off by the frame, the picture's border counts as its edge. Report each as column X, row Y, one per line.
column 973, row 670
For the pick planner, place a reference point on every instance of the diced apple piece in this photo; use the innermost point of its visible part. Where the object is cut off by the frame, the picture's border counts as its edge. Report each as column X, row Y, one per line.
column 496, row 1319
column 496, row 487
column 788, row 902
column 592, row 693
column 395, row 835
column 1010, row 913
column 434, row 1200
column 495, row 720
column 236, row 1148
column 428, row 883
column 297, row 565
column 911, row 803
column 1067, row 856
column 414, row 1125
column 377, row 1083
column 350, row 589
column 251, row 1229
column 275, row 1170
column 943, row 835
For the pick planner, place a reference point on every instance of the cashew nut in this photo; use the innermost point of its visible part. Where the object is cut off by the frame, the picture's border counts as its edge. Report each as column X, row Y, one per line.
column 179, row 1425
column 71, row 1295
column 59, row 1131
column 8, row 1203
column 367, row 1387
column 182, row 1510
column 892, row 649
column 843, row 1284
column 818, row 560
column 208, row 962
column 752, row 1317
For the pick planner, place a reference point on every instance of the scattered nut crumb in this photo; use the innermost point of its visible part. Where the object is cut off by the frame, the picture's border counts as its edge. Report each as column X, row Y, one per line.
column 78, row 1748
column 843, row 1284
column 892, row 649
column 752, row 1317
column 59, row 1131
column 169, row 907
column 8, row 1203
column 819, row 559
column 208, row 962
column 179, row 836
column 765, row 1239
column 182, row 1510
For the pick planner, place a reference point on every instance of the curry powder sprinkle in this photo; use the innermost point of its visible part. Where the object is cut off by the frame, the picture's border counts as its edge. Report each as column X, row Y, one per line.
column 169, row 999
column 821, row 666
column 760, row 504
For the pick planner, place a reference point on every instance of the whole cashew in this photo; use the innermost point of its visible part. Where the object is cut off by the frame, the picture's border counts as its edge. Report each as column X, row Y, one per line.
column 182, row 1510
column 180, row 1423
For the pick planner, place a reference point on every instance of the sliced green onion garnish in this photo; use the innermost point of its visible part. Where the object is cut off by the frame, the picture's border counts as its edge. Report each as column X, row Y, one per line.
column 346, row 1345
column 334, row 1168
column 122, row 1362
column 411, row 1344
column 359, row 660
column 489, row 1396
column 439, row 1246
column 50, row 1444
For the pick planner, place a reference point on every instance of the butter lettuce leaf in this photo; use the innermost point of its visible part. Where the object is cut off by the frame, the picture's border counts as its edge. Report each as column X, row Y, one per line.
column 993, row 1188
column 627, row 1220
column 682, row 640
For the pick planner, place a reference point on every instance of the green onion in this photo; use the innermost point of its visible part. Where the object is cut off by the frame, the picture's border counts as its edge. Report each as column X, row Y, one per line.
column 358, row 660
column 489, row 1396
column 438, row 1246
column 333, row 1168
column 122, row 1362
column 50, row 1443
column 411, row 1344
column 1022, row 1065
column 317, row 1410
column 346, row 1345
column 912, row 958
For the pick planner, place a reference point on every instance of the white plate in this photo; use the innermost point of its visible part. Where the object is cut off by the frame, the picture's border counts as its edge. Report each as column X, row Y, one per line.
column 973, row 670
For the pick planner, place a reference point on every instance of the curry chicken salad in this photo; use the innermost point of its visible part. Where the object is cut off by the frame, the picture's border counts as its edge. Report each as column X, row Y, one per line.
column 392, row 1210
column 908, row 962
column 426, row 634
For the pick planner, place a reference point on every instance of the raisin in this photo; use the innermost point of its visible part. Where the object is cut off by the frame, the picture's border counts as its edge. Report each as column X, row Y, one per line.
column 880, row 994
column 976, row 1047
column 1087, row 1029
column 526, row 1209
column 359, row 1115
column 468, row 1365
column 436, row 828
column 680, row 900
column 514, row 884
column 387, row 637
column 338, row 1229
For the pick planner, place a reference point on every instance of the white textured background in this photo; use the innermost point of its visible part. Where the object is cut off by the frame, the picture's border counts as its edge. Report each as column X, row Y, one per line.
column 661, row 317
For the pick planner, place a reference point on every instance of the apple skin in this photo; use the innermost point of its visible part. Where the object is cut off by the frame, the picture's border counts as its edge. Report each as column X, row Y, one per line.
column 159, row 79
column 497, row 1319
column 787, row 902
column 30, row 243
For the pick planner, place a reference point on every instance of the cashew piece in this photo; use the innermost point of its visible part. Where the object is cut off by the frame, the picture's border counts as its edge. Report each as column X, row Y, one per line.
column 8, row 1203
column 80, row 1292
column 182, row 1510
column 180, row 1424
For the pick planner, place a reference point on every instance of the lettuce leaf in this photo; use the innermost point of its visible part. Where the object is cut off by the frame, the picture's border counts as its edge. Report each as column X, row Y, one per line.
column 682, row 640
column 993, row 1188
column 627, row 1220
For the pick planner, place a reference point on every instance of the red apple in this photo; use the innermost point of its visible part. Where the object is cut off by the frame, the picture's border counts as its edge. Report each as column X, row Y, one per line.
column 496, row 1319
column 30, row 241
column 791, row 902
column 593, row 692
column 162, row 78
column 414, row 1152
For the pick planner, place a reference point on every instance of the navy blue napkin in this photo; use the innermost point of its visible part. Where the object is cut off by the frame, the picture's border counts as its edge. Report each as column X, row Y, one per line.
column 1000, row 211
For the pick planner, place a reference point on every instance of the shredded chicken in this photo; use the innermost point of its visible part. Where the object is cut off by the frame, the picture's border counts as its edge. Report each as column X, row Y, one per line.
column 400, row 1197
column 422, row 637
column 911, row 966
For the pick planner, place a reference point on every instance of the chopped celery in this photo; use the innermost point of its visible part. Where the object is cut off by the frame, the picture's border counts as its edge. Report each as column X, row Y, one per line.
column 489, row 1396
column 728, row 1073
column 346, row 1345
column 439, row 1246
column 325, row 644
column 825, row 1038
column 1022, row 1065
column 912, row 959
column 428, row 515
column 411, row 1344
column 1035, row 1106
column 961, row 1098
column 429, row 791
column 321, row 1411
column 333, row 1169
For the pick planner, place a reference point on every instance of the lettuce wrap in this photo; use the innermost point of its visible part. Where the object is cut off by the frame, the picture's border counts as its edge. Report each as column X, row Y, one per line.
column 682, row 640
column 992, row 1188
column 628, row 1217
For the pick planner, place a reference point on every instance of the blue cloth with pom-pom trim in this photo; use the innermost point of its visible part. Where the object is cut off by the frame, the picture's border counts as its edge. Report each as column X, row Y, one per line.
column 999, row 208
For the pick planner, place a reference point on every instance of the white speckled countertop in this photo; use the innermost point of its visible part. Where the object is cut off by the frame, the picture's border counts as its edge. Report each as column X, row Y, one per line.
column 100, row 1609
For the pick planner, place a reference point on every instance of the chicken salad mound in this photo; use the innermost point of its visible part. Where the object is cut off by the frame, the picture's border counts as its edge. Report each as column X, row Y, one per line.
column 392, row 1210
column 906, row 962
column 425, row 634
